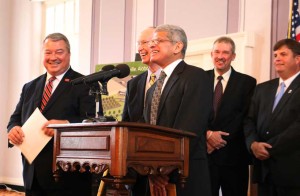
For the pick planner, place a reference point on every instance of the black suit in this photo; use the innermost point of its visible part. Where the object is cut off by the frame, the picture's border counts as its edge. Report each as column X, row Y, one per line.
column 185, row 104
column 133, row 112
column 229, row 165
column 281, row 129
column 135, row 96
column 67, row 102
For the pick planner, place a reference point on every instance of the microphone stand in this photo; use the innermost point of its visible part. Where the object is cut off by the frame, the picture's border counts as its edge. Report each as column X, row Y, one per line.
column 97, row 90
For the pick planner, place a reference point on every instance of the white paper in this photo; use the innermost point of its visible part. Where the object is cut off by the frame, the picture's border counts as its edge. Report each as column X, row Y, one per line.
column 35, row 138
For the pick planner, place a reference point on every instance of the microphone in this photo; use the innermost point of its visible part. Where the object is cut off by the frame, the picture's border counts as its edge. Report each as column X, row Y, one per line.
column 120, row 71
column 81, row 79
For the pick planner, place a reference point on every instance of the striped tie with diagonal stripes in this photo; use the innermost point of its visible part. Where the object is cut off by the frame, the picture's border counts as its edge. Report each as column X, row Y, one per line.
column 47, row 92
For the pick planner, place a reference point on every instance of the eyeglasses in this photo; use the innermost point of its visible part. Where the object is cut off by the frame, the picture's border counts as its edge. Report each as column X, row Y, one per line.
column 142, row 43
column 157, row 41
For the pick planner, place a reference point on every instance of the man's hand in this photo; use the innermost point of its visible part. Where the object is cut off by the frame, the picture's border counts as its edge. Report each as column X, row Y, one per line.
column 210, row 149
column 260, row 150
column 50, row 131
column 158, row 184
column 214, row 138
column 16, row 135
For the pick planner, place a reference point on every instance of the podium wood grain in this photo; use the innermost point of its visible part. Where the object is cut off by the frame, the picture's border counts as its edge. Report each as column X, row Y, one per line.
column 94, row 147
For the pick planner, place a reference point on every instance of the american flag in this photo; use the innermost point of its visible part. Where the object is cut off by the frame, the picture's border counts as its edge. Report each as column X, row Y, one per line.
column 294, row 22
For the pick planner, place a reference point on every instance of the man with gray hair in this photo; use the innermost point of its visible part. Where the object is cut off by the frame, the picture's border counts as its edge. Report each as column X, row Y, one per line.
column 181, row 99
column 228, row 157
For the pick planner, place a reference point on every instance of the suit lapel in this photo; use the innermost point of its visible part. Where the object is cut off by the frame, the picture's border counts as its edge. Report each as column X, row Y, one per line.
column 39, row 89
column 168, row 86
column 141, row 89
column 287, row 94
column 270, row 94
column 63, row 84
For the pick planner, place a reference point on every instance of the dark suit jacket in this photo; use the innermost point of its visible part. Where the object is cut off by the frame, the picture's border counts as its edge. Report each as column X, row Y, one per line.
column 68, row 102
column 280, row 128
column 185, row 104
column 230, row 117
column 134, row 101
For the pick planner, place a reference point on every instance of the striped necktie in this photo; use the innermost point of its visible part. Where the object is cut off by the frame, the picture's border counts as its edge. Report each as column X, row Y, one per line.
column 47, row 92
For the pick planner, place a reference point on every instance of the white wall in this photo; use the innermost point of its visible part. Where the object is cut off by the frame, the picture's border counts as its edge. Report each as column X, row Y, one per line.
column 21, row 26
column 85, row 36
column 5, row 56
column 199, row 18
column 257, row 19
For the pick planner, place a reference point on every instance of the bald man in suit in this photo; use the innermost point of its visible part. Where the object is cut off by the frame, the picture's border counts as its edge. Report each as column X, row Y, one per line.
column 139, row 85
column 136, row 91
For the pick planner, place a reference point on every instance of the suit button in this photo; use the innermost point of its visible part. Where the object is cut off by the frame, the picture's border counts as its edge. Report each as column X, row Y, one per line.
column 267, row 132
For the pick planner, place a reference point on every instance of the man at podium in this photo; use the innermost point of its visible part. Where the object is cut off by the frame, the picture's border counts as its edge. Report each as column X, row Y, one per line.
column 181, row 99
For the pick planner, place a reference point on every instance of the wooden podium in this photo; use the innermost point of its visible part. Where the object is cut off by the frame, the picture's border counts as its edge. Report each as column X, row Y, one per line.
column 117, row 146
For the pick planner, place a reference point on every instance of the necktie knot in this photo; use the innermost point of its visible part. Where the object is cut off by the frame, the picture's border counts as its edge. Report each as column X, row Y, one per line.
column 162, row 75
column 220, row 78
column 52, row 79
column 282, row 85
column 152, row 79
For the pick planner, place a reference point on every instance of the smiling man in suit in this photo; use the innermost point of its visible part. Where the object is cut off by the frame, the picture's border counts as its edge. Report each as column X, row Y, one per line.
column 272, row 127
column 136, row 90
column 228, row 157
column 67, row 104
column 185, row 101
column 139, row 85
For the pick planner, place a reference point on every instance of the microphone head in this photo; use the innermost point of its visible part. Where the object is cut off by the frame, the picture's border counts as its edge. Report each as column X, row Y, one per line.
column 124, row 70
column 108, row 67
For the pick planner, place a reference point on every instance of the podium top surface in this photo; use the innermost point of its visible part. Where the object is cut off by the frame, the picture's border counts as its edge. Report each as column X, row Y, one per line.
column 71, row 126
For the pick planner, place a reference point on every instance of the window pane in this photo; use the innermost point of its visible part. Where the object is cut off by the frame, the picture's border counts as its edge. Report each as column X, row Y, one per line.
column 63, row 16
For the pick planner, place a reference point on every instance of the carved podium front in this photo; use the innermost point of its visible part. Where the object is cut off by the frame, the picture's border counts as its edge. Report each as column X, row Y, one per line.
column 117, row 146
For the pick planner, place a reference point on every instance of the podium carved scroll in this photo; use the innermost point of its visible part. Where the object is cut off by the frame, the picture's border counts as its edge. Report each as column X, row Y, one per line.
column 119, row 147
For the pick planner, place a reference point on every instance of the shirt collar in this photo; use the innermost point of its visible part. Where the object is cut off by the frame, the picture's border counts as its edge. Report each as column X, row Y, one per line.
column 289, row 81
column 225, row 75
column 170, row 68
column 156, row 73
column 59, row 77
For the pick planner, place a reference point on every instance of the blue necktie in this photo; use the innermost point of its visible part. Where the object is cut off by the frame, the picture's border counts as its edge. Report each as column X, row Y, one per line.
column 279, row 95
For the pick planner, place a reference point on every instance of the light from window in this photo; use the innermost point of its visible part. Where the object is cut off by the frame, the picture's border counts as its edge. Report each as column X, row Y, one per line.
column 63, row 16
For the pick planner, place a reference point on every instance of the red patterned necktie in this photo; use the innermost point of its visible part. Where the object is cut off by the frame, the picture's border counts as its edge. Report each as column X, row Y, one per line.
column 47, row 92
column 156, row 98
column 218, row 94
